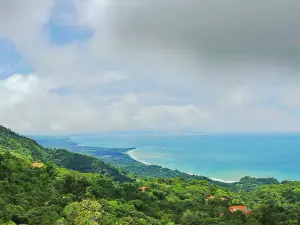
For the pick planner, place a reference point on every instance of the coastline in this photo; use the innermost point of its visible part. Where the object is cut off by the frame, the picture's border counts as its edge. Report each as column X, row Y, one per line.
column 130, row 153
column 151, row 156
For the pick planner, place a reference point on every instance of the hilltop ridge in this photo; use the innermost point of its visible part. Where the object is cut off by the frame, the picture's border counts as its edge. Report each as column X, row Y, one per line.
column 14, row 142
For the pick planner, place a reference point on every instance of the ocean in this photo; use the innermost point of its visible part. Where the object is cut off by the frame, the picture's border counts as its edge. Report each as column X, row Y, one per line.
column 228, row 157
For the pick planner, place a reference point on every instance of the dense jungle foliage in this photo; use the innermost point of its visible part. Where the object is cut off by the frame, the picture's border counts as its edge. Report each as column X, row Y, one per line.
column 43, row 186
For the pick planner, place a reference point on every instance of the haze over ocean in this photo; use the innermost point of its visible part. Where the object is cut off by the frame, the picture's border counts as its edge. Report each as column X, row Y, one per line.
column 221, row 156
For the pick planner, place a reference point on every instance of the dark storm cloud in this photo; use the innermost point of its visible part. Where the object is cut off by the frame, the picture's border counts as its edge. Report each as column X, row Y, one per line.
column 232, row 30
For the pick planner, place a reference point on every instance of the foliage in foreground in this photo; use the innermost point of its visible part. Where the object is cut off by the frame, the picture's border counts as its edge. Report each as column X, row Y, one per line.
column 49, row 194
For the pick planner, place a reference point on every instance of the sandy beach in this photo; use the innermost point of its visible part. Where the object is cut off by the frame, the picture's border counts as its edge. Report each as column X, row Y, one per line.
column 132, row 154
column 134, row 157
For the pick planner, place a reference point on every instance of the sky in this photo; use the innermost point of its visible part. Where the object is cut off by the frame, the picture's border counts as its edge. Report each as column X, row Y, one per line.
column 84, row 66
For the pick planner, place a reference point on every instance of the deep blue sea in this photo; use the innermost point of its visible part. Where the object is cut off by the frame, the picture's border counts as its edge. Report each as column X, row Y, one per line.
column 221, row 156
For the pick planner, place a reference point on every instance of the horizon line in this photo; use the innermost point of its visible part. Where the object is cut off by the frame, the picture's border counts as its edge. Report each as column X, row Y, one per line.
column 156, row 133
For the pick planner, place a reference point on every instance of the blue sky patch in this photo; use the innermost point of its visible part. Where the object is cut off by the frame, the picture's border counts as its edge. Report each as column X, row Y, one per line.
column 11, row 61
column 64, row 34
column 61, row 91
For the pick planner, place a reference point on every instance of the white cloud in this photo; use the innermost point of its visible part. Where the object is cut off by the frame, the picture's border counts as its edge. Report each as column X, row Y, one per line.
column 27, row 107
column 20, row 20
column 288, row 94
column 18, row 89
column 143, row 69
column 20, row 83
column 172, row 117
column 238, row 96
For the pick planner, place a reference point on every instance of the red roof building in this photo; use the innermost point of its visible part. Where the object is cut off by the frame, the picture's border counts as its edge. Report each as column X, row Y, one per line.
column 242, row 208
column 143, row 189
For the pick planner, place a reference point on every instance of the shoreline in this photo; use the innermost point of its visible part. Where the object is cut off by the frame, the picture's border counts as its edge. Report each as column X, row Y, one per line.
column 69, row 143
column 130, row 154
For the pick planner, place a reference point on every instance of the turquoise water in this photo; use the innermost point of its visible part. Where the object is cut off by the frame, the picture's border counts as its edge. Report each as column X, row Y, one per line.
column 222, row 156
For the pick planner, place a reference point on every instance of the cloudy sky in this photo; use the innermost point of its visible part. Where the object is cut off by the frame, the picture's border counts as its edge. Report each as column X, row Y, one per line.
column 76, row 66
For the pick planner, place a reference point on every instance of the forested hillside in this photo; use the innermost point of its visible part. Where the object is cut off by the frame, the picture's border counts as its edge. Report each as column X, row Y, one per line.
column 16, row 143
column 35, row 189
